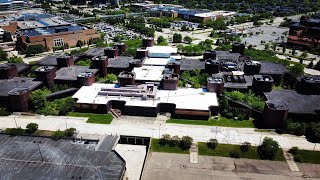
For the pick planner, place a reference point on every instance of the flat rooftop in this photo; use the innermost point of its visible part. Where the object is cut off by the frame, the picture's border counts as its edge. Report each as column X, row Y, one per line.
column 49, row 60
column 20, row 67
column 156, row 61
column 227, row 56
column 297, row 103
column 62, row 159
column 94, row 52
column 149, row 73
column 185, row 98
column 119, row 62
column 71, row 73
column 7, row 85
column 161, row 51
column 50, row 30
column 191, row 64
column 272, row 68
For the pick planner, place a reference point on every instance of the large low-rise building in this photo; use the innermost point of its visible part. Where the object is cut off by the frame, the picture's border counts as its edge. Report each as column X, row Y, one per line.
column 147, row 100
column 56, row 36
column 305, row 33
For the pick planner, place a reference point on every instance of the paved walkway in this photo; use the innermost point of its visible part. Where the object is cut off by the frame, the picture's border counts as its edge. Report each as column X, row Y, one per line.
column 156, row 127
column 194, row 153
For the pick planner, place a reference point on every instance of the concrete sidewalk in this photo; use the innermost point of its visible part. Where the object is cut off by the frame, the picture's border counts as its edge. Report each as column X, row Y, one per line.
column 156, row 127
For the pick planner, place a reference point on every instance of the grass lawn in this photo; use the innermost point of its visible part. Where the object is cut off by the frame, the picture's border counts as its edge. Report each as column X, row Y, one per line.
column 156, row 147
column 312, row 157
column 94, row 118
column 222, row 121
column 223, row 150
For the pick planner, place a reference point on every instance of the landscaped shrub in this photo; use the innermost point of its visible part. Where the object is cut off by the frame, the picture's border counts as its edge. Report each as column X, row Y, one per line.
column 245, row 146
column 294, row 150
column 14, row 131
column 57, row 135
column 297, row 158
column 69, row 132
column 235, row 153
column 185, row 142
column 165, row 139
column 296, row 128
column 175, row 141
column 212, row 143
column 313, row 132
column 268, row 149
column 31, row 128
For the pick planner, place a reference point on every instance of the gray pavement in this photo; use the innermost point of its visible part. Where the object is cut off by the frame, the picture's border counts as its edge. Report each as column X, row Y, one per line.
column 177, row 167
column 156, row 127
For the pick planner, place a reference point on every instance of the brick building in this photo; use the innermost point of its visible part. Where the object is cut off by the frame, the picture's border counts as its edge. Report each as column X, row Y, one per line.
column 54, row 36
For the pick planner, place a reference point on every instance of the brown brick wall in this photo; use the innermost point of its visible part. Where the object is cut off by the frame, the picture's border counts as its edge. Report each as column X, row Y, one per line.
column 68, row 37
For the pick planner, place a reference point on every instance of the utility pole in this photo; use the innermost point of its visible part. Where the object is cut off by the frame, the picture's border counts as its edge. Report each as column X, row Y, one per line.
column 40, row 152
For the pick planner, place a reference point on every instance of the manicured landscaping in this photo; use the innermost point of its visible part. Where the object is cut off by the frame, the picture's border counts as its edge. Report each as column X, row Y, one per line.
column 157, row 147
column 306, row 156
column 221, row 121
column 94, row 118
column 224, row 150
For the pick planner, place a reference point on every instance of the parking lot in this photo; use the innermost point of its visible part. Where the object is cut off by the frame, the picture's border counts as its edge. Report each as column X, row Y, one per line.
column 177, row 166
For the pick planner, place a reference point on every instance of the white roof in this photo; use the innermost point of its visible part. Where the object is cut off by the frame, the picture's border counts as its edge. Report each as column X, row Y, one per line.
column 149, row 73
column 237, row 73
column 156, row 61
column 186, row 98
column 162, row 49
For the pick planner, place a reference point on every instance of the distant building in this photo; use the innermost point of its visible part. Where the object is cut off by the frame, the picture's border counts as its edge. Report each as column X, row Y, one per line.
column 305, row 33
column 6, row 5
column 55, row 36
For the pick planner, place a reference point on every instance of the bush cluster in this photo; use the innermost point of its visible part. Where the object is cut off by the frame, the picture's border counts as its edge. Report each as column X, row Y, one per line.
column 311, row 130
column 212, row 143
column 268, row 149
column 184, row 143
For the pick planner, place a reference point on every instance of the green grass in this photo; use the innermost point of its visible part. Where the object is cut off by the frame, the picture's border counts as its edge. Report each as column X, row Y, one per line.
column 156, row 147
column 94, row 118
column 222, row 121
column 223, row 150
column 312, row 157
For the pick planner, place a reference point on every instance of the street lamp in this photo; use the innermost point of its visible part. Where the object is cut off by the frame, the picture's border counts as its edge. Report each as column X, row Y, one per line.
column 15, row 121
column 159, row 131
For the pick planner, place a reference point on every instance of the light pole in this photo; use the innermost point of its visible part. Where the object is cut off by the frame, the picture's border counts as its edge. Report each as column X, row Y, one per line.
column 15, row 121
column 66, row 123
column 216, row 132
column 314, row 148
column 159, row 131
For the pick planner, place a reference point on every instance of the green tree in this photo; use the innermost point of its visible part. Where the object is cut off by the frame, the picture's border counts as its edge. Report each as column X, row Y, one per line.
column 245, row 147
column 212, row 143
column 67, row 105
column 35, row 49
column 313, row 132
column 304, row 54
column 310, row 65
column 79, row 43
column 297, row 69
column 187, row 39
column 38, row 98
column 317, row 66
column 111, row 78
column 177, row 38
column 268, row 149
column 69, row 132
column 3, row 55
column 165, row 139
column 31, row 128
column 15, row 59
column 161, row 39
column 185, row 142
column 57, row 135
